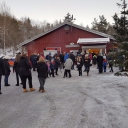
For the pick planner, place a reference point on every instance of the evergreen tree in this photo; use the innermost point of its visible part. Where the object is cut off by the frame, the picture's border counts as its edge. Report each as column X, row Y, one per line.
column 121, row 35
column 101, row 26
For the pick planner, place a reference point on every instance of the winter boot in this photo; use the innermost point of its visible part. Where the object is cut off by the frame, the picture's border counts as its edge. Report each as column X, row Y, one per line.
column 39, row 89
column 0, row 92
column 32, row 89
column 7, row 84
column 43, row 91
column 25, row 90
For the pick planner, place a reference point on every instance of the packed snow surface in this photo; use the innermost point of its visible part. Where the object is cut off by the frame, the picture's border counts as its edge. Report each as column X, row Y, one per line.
column 94, row 101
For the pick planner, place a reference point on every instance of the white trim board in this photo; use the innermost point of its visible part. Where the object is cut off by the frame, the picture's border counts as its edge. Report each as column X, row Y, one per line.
column 72, row 46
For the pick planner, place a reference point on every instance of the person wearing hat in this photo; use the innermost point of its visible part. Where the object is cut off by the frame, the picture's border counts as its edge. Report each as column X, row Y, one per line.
column 2, row 71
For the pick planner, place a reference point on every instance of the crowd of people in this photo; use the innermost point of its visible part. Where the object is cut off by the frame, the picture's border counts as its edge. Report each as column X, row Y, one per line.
column 47, row 66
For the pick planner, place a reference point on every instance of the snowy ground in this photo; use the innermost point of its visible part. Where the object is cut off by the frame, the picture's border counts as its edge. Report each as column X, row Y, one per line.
column 94, row 101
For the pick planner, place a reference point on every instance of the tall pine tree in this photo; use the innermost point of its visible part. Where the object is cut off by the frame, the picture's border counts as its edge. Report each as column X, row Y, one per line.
column 121, row 35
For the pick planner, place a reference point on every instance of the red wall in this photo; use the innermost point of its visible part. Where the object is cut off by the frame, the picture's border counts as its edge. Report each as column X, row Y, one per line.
column 59, row 38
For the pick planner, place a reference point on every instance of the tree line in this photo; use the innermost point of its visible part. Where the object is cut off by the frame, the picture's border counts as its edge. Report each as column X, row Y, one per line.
column 14, row 31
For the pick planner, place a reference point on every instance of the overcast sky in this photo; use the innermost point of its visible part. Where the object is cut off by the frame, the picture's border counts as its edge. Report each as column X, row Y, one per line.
column 50, row 10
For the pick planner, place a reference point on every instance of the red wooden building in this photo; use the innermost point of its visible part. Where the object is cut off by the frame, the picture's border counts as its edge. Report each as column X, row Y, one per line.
column 69, row 37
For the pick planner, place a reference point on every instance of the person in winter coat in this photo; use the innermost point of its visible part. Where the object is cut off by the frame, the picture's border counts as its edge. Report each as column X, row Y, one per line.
column 62, row 60
column 55, row 55
column 52, row 67
column 57, row 64
column 100, row 63
column 25, row 72
column 7, row 70
column 2, row 71
column 68, row 64
column 79, row 64
column 83, row 57
column 73, row 59
column 42, row 70
column 104, row 65
column 16, row 68
column 49, row 56
column 34, row 59
column 65, row 57
column 87, row 63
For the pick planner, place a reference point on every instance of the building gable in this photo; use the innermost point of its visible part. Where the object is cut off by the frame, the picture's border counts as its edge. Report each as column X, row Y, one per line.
column 68, row 26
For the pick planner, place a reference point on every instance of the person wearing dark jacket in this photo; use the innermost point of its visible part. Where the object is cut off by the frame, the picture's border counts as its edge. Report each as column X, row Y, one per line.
column 100, row 63
column 7, row 70
column 2, row 71
column 34, row 59
column 42, row 70
column 49, row 57
column 57, row 64
column 79, row 64
column 62, row 60
column 73, row 59
column 16, row 68
column 25, row 72
column 87, row 63
column 52, row 67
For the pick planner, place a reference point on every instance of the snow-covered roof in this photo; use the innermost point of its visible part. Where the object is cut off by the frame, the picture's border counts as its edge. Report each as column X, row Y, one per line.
column 92, row 40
